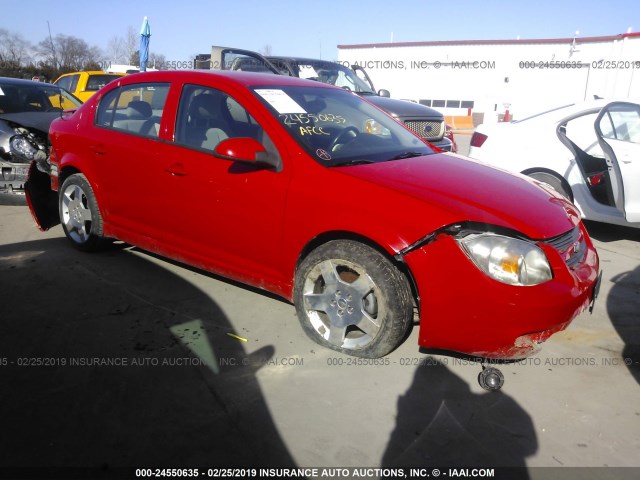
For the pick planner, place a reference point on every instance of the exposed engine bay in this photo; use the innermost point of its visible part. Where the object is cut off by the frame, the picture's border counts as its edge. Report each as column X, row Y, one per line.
column 25, row 164
column 21, row 144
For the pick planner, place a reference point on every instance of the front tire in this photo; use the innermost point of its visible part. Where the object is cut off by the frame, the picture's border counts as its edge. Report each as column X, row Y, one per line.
column 351, row 298
column 79, row 214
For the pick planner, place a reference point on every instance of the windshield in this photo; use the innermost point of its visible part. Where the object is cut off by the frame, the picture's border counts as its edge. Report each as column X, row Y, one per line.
column 339, row 128
column 325, row 72
column 18, row 98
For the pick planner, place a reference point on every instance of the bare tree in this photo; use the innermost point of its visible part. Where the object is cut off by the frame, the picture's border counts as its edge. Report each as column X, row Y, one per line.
column 68, row 53
column 157, row 60
column 47, row 52
column 13, row 48
column 116, row 50
column 72, row 52
column 134, row 59
column 64, row 53
column 132, row 45
column 266, row 50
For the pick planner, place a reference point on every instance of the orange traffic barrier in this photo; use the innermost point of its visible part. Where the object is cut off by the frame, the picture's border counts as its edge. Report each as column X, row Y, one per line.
column 459, row 122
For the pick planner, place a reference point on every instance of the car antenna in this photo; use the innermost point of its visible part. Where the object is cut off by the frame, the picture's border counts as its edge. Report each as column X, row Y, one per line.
column 60, row 101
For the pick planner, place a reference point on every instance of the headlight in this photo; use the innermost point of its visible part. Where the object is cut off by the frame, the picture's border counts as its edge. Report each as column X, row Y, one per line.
column 375, row 128
column 22, row 148
column 506, row 259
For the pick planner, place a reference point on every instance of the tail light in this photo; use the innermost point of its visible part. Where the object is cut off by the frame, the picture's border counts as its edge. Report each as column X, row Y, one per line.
column 597, row 179
column 478, row 139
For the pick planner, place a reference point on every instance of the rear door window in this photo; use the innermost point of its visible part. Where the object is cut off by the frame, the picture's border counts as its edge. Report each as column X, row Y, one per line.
column 621, row 125
column 135, row 109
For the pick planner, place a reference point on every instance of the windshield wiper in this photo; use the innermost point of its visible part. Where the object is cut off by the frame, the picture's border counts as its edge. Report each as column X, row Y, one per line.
column 408, row 155
column 359, row 161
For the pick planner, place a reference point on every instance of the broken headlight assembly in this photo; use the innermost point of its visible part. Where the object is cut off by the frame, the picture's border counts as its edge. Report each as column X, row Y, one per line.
column 25, row 148
column 22, row 148
column 506, row 259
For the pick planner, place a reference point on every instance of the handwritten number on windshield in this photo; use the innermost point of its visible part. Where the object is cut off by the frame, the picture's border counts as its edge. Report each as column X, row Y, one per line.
column 296, row 119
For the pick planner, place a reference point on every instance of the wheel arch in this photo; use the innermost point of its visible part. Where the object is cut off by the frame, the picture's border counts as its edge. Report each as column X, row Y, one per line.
column 325, row 237
column 563, row 181
column 71, row 169
column 66, row 172
column 72, row 163
column 85, row 232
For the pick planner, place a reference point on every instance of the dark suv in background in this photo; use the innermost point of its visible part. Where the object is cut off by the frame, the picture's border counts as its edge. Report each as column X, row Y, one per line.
column 426, row 122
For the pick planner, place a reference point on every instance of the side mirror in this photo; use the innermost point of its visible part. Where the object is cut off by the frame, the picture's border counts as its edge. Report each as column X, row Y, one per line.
column 384, row 93
column 246, row 150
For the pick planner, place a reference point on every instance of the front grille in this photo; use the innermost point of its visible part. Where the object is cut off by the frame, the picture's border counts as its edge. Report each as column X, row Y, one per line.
column 571, row 246
column 427, row 129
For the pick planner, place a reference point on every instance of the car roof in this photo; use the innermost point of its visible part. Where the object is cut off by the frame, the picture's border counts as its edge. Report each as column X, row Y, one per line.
column 304, row 60
column 93, row 72
column 300, row 59
column 90, row 73
column 23, row 82
column 564, row 111
column 246, row 79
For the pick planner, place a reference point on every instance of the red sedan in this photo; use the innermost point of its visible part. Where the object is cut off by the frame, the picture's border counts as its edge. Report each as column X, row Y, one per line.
column 310, row 192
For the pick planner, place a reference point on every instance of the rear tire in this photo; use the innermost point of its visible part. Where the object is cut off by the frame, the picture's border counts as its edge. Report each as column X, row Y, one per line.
column 79, row 213
column 352, row 299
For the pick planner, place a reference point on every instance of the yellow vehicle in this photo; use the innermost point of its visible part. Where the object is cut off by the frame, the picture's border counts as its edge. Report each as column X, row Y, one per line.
column 85, row 84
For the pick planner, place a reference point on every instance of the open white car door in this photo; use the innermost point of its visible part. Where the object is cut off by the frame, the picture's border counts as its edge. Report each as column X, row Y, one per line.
column 225, row 58
column 618, row 130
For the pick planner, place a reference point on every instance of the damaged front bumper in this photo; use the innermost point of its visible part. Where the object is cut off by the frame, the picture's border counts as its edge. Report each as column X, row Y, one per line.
column 464, row 310
column 19, row 146
column 13, row 176
column 41, row 198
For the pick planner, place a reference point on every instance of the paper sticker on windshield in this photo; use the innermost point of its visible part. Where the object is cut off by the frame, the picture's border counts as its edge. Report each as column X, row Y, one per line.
column 279, row 100
column 1, row 92
column 323, row 154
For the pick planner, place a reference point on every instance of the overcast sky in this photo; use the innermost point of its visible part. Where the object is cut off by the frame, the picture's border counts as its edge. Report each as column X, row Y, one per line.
column 180, row 29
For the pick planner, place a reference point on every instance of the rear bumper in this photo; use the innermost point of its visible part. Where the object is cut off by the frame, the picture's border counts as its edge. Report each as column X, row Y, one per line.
column 463, row 310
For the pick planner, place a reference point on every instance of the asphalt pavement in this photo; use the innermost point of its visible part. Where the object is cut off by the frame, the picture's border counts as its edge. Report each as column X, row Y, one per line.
column 120, row 359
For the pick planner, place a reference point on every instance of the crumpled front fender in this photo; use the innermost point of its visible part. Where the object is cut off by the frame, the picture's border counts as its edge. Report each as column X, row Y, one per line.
column 42, row 200
column 464, row 310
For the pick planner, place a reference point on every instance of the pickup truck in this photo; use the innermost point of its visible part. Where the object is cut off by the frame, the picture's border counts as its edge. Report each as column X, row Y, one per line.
column 425, row 122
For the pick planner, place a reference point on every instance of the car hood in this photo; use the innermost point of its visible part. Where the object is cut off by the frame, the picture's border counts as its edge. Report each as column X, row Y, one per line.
column 471, row 191
column 403, row 108
column 38, row 120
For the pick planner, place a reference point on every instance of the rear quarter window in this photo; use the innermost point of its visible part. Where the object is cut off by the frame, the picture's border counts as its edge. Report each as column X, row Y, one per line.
column 96, row 82
column 69, row 83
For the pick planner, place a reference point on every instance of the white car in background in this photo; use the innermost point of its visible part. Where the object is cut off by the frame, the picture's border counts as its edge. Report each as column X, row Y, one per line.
column 589, row 152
